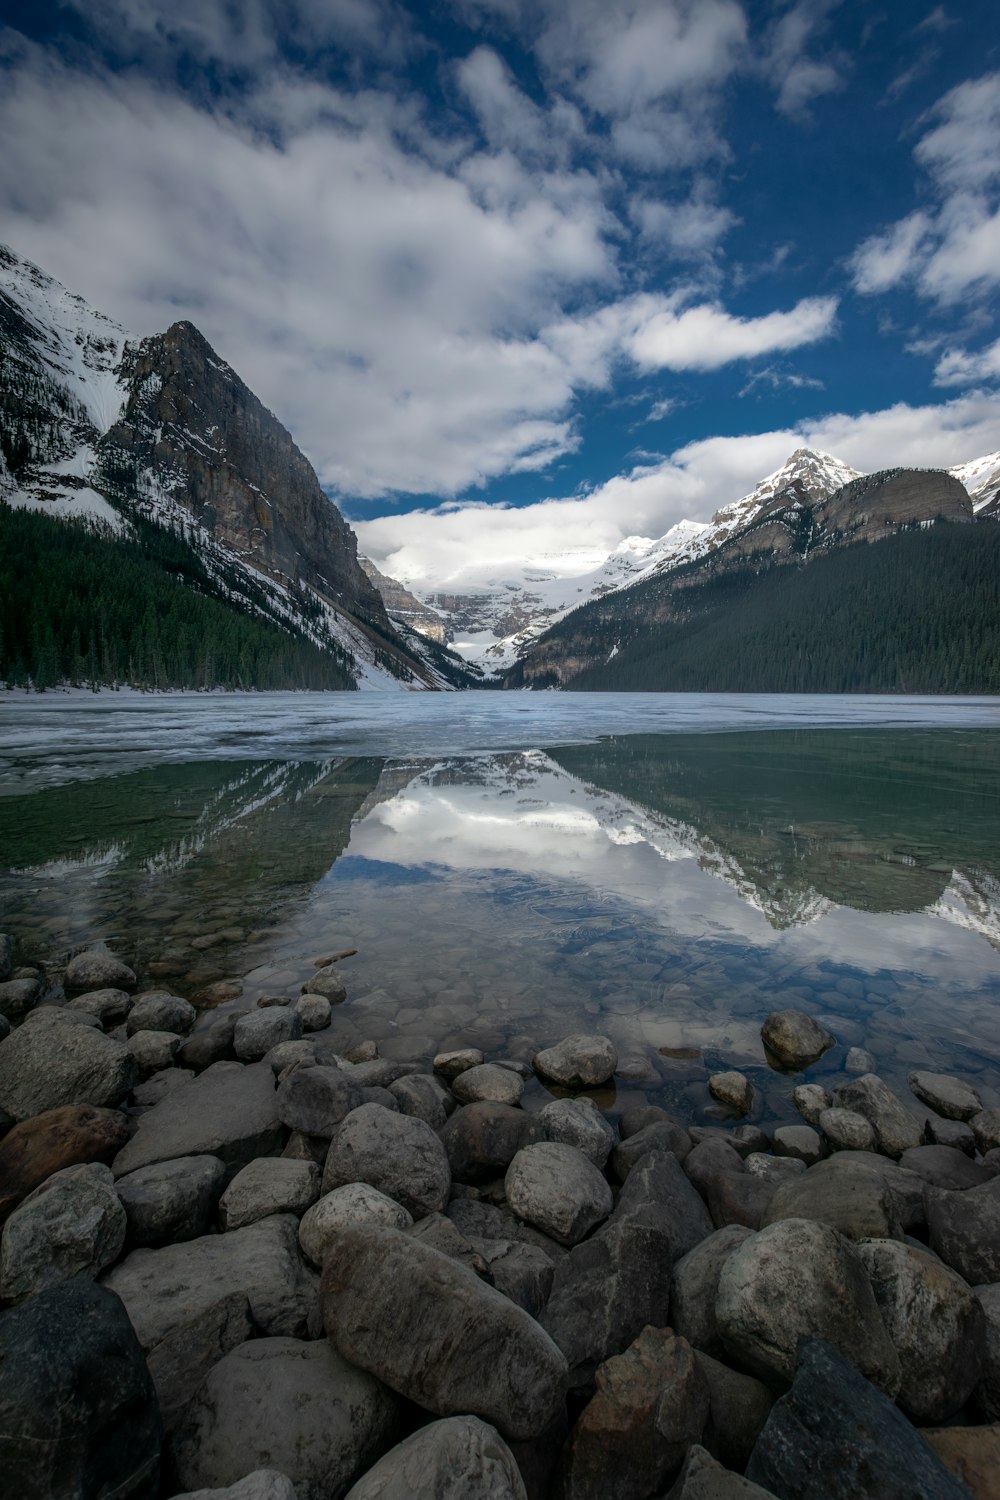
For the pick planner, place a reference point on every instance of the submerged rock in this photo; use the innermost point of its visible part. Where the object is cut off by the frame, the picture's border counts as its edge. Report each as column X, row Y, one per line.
column 794, row 1038
column 733, row 1090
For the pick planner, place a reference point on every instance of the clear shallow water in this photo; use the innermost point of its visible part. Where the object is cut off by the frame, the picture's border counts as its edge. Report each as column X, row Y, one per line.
column 510, row 876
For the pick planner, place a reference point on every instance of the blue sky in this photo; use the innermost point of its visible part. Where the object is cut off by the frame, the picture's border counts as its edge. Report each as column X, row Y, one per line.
column 521, row 275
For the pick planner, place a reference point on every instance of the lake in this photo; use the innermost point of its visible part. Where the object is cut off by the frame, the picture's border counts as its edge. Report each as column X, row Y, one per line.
column 513, row 867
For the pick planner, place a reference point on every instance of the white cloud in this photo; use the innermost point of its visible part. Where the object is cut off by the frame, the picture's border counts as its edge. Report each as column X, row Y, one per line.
column 798, row 78
column 958, row 367
column 669, row 337
column 884, row 260
column 690, row 229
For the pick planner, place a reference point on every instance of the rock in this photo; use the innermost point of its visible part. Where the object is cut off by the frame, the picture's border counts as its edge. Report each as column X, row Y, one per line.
column 459, row 1458
column 651, row 1404
column 438, row 1231
column 658, row 1193
column 171, row 1200
column 6, row 957
column 270, row 1185
column 739, row 1407
column 488, row 1082
column 523, row 1272
column 37, row 1148
column 153, row 1051
column 422, row 1096
column 72, row 1225
column 5, row 1028
column 710, row 1160
column 434, row 1332
column 227, row 1111
column 383, row 1097
column 935, row 1323
column 856, row 1203
column 481, row 1140
column 399, row 1155
column 260, row 1030
column 964, row 1229
column 748, row 1139
column 795, row 1039
column 945, row 1095
column 559, row 1190
column 329, row 983
column 846, row 1130
column 944, row 1167
column 810, row 1099
column 695, row 1288
column 109, row 1006
column 478, row 1220
column 287, row 1056
column 740, row 1199
column 986, row 1129
column 217, row 993
column 159, row 1086
column 950, row 1133
column 859, row 1060
column 733, row 1090
column 797, row 1278
column 50, row 1061
column 895, row 1127
column 314, row 1011
column 578, row 1062
column 450, row 1064
column 379, row 1072
column 262, row 1484
column 190, row 1304
column 774, row 1169
column 973, row 1456
column 834, row 1436
column 214, row 1044
column 701, row 1478
column 988, row 1394
column 579, row 1123
column 660, row 1137
column 639, row 1116
column 158, row 1010
column 98, row 971
column 77, row 1406
column 18, row 996
column 800, row 1142
column 298, row 1406
column 316, row 1100
column 355, row 1203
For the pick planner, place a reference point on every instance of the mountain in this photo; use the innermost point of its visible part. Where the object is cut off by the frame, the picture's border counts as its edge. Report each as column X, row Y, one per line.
column 161, row 434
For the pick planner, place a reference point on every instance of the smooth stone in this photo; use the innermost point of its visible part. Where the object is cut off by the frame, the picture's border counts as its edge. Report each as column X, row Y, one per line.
column 51, row 1060
column 191, row 1303
column 559, row 1190
column 316, row 1100
column 857, row 1203
column 481, row 1140
column 964, row 1229
column 988, row 1394
column 973, row 1456
column 314, row 1011
column 702, row 1478
column 945, row 1095
column 158, row 1010
column 72, row 1225
column 228, row 1111
column 451, row 1064
column 329, row 983
column 935, row 1323
column 398, row 1154
column 297, row 1406
column 739, row 1407
column 287, row 1056
column 420, row 1095
column 835, row 1436
column 171, row 1200
column 846, row 1130
column 661, row 1136
column 986, row 1129
column 794, row 1038
column 695, row 1287
column 262, row 1484
column 651, row 1403
column 579, row 1123
column 98, row 971
column 18, row 996
column 810, row 1099
column 895, row 1127
column 733, row 1090
column 638, row 1116
column 270, row 1185
column 37, row 1148
column 774, row 1169
column 748, row 1139
column 160, row 1085
column 860, row 1060
column 944, row 1167
column 77, row 1406
column 578, row 1062
column 383, row 1097
column 500, row 1085
column 457, row 1458
column 5, row 1028
column 433, row 1331
column 800, row 1142
column 355, row 1203
column 260, row 1030
column 950, row 1133
column 153, row 1051
column 796, row 1278
column 710, row 1160
column 211, row 1045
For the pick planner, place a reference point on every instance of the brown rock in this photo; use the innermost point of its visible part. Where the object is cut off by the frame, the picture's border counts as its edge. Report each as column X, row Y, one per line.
column 63, row 1137
column 972, row 1454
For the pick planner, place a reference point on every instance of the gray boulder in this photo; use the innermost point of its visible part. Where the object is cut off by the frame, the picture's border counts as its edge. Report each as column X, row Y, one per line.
column 702, row 1478
column 894, row 1125
column 739, row 1406
column 262, row 1484
column 98, row 971
column 72, row 1225
column 6, row 957
column 314, row 1010
column 795, row 1039
column 297, row 1406
column 695, row 1288
column 559, row 1190
column 986, row 1129
column 481, row 1140
column 938, row 1132
column 329, row 983
column 190, row 1304
column 487, row 1081
column 459, row 1458
column 51, row 1060
column 260, row 1030
column 579, row 1123
column 420, row 1095
column 17, row 997
column 433, row 1331
column 834, row 1436
column 171, row 1200
column 988, row 1394
column 523, row 1272
column 159, row 1010
column 800, row 1142
column 797, row 1278
column 316, row 1100
column 944, row 1167
column 734, row 1090
column 354, row 1203
column 153, row 1051
column 398, row 1154
column 578, row 1062
column 77, row 1407
column 810, row 1099
column 776, row 1170
column 211, row 1045
column 659, row 1136
column 450, row 1064
column 228, row 1111
column 945, row 1095
column 964, row 1229
column 857, row 1202
column 846, row 1130
column 269, row 1185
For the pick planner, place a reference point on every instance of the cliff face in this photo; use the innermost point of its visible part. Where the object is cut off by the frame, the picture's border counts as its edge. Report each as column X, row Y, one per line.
column 193, row 433
column 403, row 606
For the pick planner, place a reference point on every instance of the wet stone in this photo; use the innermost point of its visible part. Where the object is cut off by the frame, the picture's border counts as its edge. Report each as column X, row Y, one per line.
column 487, row 1081
column 354, row 1203
column 579, row 1123
column 18, row 996
column 451, row 1064
column 733, row 1090
column 810, row 1099
column 986, row 1129
column 578, row 1062
column 96, row 970
column 158, row 1010
column 846, row 1130
column 329, row 983
column 859, row 1060
column 800, row 1142
column 947, row 1096
column 794, row 1038
column 72, row 1225
column 109, row 1005
column 261, row 1030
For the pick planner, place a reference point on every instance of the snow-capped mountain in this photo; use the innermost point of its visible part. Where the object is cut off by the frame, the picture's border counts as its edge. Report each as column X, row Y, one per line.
column 981, row 478
column 99, row 426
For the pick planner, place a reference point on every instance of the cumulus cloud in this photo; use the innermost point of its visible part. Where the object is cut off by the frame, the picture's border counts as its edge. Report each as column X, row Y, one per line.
column 799, row 77
column 669, row 336
column 959, row 367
